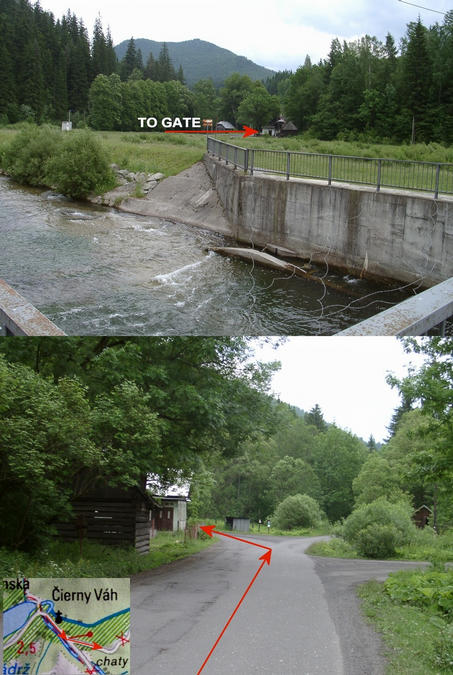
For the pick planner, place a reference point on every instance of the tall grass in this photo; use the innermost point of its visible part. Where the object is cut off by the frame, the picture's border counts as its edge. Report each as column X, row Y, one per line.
column 64, row 559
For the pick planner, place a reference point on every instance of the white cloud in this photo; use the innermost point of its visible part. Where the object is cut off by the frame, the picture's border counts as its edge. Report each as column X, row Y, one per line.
column 277, row 35
column 345, row 376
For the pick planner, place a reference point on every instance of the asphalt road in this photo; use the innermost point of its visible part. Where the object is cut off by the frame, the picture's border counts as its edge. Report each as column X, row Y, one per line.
column 300, row 617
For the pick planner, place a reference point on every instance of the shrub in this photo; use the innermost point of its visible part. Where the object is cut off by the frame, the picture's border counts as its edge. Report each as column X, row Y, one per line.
column 26, row 157
column 377, row 541
column 297, row 511
column 80, row 167
column 423, row 588
column 376, row 529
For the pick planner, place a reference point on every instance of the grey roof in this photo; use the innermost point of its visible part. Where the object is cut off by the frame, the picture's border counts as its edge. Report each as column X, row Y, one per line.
column 225, row 124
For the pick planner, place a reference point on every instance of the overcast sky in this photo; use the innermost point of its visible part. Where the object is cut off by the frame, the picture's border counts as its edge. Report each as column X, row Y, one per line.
column 345, row 376
column 274, row 34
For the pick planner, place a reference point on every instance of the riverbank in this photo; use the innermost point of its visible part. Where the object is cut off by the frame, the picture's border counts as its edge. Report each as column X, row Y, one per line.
column 189, row 198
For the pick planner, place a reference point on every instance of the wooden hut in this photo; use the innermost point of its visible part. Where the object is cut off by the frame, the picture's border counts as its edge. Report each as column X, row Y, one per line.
column 114, row 516
column 422, row 515
column 223, row 125
column 288, row 129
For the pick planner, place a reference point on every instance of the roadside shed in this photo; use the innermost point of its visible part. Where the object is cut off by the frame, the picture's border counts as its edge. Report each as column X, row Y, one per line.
column 238, row 524
column 114, row 516
column 422, row 515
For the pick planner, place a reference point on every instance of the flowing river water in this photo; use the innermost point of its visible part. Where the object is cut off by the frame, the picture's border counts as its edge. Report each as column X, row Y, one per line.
column 94, row 270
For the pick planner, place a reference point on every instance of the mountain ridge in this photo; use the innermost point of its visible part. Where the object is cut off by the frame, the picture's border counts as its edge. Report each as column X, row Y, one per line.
column 199, row 60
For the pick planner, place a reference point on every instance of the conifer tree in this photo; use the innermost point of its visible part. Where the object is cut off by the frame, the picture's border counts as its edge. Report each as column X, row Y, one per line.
column 417, row 74
column 149, row 72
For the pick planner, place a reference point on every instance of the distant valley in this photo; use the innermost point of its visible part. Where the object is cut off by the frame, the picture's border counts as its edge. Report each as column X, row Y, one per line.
column 200, row 60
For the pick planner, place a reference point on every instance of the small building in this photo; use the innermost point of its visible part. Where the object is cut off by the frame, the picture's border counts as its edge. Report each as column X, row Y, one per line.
column 171, row 515
column 114, row 516
column 223, row 125
column 422, row 515
column 288, row 129
column 238, row 524
column 268, row 130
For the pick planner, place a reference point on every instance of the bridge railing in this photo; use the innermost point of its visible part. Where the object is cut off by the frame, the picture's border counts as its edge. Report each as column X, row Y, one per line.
column 433, row 177
column 19, row 317
column 418, row 315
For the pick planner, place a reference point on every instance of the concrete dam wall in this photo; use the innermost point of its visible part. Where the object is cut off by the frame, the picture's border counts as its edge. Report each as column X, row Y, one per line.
column 394, row 235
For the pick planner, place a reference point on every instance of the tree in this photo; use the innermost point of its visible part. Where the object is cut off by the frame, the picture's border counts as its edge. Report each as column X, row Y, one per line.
column 132, row 59
column 206, row 100
column 292, row 476
column 258, row 107
column 376, row 529
column 303, row 94
column 377, row 478
column 372, row 447
column 432, row 388
column 150, row 72
column 315, row 417
column 297, row 511
column 417, row 76
column 338, row 459
column 105, row 102
column 164, row 68
column 232, row 94
column 119, row 408
column 45, row 436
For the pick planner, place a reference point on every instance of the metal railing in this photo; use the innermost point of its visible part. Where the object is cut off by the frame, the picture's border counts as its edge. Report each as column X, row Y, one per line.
column 19, row 317
column 380, row 173
column 426, row 313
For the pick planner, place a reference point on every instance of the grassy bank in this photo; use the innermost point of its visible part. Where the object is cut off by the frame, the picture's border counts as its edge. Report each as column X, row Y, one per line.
column 418, row 640
column 172, row 153
column 139, row 151
column 262, row 530
column 62, row 559
column 426, row 545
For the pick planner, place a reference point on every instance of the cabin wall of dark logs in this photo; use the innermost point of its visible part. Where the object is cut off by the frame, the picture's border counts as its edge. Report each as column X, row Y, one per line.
column 111, row 516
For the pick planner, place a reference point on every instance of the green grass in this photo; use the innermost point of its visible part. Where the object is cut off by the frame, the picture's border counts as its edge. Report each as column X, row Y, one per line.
column 172, row 153
column 62, row 559
column 426, row 545
column 263, row 531
column 352, row 162
column 418, row 643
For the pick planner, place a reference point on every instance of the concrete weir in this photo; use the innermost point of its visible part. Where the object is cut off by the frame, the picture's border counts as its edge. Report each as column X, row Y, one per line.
column 404, row 236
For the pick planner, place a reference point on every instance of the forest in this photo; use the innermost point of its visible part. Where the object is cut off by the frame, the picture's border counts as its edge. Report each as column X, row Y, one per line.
column 198, row 410
column 363, row 89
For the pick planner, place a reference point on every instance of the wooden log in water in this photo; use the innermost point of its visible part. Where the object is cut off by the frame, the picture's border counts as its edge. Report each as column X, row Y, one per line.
column 267, row 260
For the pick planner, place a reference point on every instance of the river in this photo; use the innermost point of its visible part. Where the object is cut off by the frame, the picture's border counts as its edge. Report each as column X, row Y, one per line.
column 97, row 271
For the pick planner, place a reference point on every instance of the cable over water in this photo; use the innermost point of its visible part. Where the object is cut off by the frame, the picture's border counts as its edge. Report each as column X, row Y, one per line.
column 96, row 271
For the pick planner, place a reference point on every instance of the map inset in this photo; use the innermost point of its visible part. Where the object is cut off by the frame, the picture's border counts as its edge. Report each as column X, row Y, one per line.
column 66, row 626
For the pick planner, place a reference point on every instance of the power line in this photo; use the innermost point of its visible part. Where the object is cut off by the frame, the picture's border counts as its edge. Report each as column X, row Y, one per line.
column 428, row 9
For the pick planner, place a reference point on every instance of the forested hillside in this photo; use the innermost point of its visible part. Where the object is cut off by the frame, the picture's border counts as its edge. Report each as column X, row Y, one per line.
column 364, row 89
column 379, row 89
column 199, row 60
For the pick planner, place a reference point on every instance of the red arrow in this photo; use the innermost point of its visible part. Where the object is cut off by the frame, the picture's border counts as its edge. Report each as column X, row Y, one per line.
column 93, row 645
column 266, row 558
column 89, row 634
column 209, row 529
column 248, row 131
